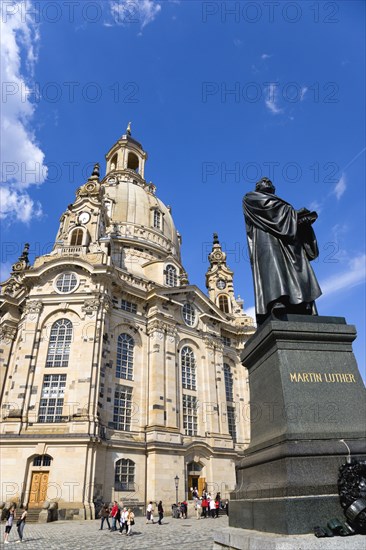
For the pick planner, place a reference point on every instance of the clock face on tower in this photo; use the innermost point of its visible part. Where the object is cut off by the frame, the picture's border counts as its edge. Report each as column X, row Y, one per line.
column 83, row 217
column 221, row 284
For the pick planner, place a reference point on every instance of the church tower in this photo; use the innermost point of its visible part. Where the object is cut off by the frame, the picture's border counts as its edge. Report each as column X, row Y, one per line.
column 114, row 365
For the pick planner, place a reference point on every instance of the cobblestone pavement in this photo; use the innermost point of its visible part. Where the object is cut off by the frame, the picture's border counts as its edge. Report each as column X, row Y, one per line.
column 174, row 534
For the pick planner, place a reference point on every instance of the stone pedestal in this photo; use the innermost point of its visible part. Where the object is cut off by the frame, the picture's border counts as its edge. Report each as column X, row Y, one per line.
column 306, row 395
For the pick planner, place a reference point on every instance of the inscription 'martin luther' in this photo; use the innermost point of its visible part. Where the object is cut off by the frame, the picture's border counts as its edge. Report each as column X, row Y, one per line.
column 322, row 377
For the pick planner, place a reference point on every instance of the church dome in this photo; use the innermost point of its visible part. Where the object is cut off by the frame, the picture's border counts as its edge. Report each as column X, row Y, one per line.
column 136, row 215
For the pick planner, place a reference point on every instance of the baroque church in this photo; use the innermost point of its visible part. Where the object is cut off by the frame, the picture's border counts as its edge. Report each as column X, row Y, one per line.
column 119, row 379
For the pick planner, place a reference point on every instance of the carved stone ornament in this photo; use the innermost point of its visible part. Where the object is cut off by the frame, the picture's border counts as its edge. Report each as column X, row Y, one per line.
column 90, row 188
column 7, row 334
column 13, row 285
column 90, row 306
column 158, row 327
column 33, row 307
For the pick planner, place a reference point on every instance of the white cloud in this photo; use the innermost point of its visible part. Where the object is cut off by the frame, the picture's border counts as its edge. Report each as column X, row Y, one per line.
column 265, row 56
column 251, row 312
column 272, row 99
column 22, row 159
column 340, row 187
column 303, row 91
column 125, row 12
column 353, row 276
column 17, row 205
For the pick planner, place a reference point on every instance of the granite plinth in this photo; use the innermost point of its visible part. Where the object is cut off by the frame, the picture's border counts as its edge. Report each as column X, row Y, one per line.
column 306, row 396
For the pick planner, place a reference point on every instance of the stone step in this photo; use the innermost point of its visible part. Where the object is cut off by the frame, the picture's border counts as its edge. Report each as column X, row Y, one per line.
column 33, row 515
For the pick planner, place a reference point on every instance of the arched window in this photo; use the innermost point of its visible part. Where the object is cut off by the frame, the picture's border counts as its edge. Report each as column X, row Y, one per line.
column 228, row 377
column 171, row 277
column 230, row 406
column 224, row 303
column 42, row 460
column 188, row 363
column 59, row 346
column 189, row 314
column 77, row 237
column 114, row 162
column 125, row 345
column 133, row 162
column 124, row 475
column 157, row 219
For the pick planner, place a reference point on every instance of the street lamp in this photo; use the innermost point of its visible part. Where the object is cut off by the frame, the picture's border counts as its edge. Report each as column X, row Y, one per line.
column 176, row 481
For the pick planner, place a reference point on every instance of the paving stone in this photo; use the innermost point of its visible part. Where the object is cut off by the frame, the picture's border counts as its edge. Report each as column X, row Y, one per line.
column 84, row 535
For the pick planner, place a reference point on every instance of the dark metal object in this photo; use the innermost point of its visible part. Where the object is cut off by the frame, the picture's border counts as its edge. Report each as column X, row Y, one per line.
column 176, row 481
column 281, row 243
column 352, row 493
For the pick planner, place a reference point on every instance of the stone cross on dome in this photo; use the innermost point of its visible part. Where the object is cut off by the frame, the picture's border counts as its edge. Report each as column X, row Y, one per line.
column 128, row 129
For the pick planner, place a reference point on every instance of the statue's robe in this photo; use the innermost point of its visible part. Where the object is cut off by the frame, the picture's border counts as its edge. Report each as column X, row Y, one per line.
column 280, row 251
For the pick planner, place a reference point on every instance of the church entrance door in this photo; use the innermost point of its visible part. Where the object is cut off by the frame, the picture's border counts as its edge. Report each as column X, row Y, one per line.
column 38, row 490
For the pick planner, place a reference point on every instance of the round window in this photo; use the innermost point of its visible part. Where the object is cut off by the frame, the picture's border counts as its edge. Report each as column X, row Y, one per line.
column 66, row 282
column 189, row 314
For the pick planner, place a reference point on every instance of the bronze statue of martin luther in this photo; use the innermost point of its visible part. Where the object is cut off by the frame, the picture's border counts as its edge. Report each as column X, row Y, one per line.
column 281, row 244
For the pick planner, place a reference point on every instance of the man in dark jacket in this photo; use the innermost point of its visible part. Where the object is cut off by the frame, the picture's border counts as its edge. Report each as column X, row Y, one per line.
column 281, row 244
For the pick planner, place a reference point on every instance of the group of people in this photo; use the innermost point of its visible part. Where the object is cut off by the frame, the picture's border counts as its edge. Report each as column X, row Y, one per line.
column 119, row 514
column 10, row 516
column 207, row 506
column 150, row 512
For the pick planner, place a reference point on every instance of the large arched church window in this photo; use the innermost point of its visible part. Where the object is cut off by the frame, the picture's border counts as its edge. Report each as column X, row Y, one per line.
column 125, row 347
column 230, row 405
column 124, row 475
column 171, row 277
column 188, row 363
column 59, row 345
column 228, row 377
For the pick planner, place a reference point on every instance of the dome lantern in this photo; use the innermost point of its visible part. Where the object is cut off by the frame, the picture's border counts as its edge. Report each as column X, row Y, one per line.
column 126, row 154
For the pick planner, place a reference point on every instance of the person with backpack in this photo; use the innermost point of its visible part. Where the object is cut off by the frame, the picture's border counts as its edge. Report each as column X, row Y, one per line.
column 10, row 517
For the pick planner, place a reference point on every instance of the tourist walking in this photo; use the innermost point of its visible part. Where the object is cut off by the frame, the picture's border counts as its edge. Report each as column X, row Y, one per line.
column 21, row 523
column 130, row 521
column 11, row 516
column 213, row 508
column 116, row 515
column 123, row 520
column 204, row 506
column 160, row 511
column 104, row 516
column 150, row 512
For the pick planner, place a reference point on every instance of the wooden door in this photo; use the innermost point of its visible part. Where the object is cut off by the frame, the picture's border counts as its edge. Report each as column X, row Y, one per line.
column 201, row 485
column 38, row 490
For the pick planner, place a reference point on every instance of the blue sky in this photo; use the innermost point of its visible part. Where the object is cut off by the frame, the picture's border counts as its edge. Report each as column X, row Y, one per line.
column 219, row 94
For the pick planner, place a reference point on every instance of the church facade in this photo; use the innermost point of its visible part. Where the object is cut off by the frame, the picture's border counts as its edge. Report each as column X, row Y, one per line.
column 120, row 380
